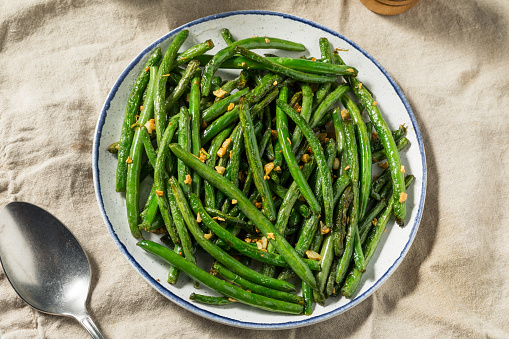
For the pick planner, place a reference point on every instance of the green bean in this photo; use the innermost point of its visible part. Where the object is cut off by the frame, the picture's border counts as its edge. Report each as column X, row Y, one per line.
column 327, row 118
column 174, row 272
column 281, row 192
column 265, row 141
column 293, row 166
column 258, row 289
column 331, row 280
column 327, row 103
column 309, row 66
column 218, row 284
column 147, row 144
column 358, row 255
column 341, row 211
column 217, row 252
column 232, row 220
column 127, row 133
column 255, row 163
column 157, row 223
column 260, row 221
column 221, row 106
column 390, row 148
column 330, row 155
column 400, row 145
column 306, row 236
column 244, row 77
column 283, row 70
column 146, row 170
column 340, row 138
column 366, row 222
column 149, row 211
column 184, row 139
column 364, row 152
column 210, row 195
column 297, row 96
column 324, row 89
column 376, row 144
column 340, row 185
column 113, row 148
column 194, row 110
column 167, row 65
column 160, row 176
column 250, row 43
column 253, row 96
column 225, row 90
column 380, row 182
column 314, row 143
column 353, row 172
column 194, row 52
column 134, row 167
column 325, row 50
column 327, row 255
column 307, row 294
column 183, row 235
column 354, row 277
column 305, row 113
column 183, row 84
column 233, row 165
column 227, row 36
column 210, row 300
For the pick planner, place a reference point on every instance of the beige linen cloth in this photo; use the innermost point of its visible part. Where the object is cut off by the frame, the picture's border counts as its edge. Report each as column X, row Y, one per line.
column 59, row 59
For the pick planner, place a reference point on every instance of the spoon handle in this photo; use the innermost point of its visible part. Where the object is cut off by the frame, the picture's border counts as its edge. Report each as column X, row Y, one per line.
column 90, row 326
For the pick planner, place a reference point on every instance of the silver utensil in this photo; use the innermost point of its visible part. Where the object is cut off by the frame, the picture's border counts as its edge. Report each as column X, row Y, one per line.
column 45, row 263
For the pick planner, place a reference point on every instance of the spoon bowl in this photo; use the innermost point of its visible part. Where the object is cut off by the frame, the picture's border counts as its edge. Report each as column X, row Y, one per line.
column 45, row 263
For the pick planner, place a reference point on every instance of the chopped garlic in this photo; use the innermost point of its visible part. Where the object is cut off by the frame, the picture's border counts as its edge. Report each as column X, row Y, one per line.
column 219, row 93
column 313, row 255
column 220, row 169
column 268, row 168
column 150, row 126
column 159, row 193
column 402, row 197
column 336, row 163
column 188, row 180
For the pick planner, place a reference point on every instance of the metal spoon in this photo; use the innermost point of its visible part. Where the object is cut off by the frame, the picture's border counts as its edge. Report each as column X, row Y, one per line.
column 45, row 263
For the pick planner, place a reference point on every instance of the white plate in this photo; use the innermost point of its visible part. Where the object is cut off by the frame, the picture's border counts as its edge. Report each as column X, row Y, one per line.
column 395, row 242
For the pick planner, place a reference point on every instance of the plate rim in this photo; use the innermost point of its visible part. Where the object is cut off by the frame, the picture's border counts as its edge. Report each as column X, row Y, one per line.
column 190, row 306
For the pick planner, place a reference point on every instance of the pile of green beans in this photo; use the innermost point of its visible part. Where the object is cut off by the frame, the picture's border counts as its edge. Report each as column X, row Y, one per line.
column 273, row 166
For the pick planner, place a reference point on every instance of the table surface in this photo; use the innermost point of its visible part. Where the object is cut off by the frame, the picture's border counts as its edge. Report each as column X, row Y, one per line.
column 59, row 59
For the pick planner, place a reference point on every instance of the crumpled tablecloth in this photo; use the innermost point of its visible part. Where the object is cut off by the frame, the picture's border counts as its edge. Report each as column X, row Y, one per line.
column 59, row 59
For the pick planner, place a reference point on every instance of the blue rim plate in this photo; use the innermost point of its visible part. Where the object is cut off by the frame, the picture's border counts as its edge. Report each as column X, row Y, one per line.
column 396, row 241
